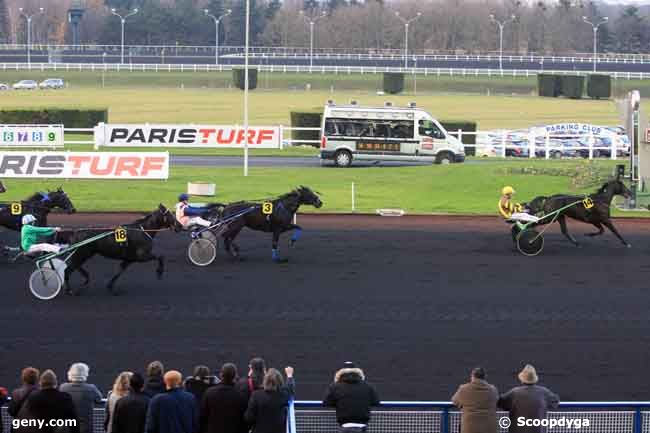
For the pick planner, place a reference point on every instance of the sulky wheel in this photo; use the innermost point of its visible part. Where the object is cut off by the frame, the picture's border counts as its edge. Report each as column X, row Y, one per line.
column 530, row 242
column 209, row 235
column 201, row 252
column 45, row 283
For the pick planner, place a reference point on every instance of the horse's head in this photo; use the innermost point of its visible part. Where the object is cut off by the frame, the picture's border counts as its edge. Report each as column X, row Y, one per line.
column 2, row 188
column 615, row 187
column 58, row 199
column 307, row 196
column 164, row 218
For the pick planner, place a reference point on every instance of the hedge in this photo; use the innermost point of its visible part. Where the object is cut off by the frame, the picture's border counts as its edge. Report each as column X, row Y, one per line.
column 238, row 77
column 452, row 127
column 572, row 86
column 393, row 82
column 306, row 119
column 599, row 86
column 548, row 85
column 70, row 118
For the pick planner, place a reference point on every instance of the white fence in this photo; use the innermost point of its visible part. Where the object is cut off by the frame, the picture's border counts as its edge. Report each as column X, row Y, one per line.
column 460, row 72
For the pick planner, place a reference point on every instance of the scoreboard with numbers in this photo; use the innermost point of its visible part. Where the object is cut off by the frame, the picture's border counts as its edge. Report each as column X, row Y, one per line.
column 31, row 136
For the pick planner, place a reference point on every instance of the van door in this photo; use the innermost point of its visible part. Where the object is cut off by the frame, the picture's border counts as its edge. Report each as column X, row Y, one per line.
column 431, row 137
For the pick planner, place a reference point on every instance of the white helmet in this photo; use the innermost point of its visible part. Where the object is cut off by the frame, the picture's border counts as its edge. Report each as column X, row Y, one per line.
column 28, row 219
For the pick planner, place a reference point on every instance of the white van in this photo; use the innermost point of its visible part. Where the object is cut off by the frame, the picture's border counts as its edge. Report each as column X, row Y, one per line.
column 386, row 133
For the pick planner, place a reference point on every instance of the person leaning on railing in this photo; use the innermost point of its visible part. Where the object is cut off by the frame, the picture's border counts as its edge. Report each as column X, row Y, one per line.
column 268, row 407
column 3, row 399
column 477, row 401
column 352, row 397
column 84, row 395
column 29, row 378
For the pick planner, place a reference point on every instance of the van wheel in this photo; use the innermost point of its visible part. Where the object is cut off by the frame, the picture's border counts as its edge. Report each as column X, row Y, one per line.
column 444, row 158
column 556, row 154
column 343, row 158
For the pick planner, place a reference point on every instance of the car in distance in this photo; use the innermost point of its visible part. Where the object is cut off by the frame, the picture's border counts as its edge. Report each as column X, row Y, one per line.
column 52, row 83
column 4, row 86
column 25, row 85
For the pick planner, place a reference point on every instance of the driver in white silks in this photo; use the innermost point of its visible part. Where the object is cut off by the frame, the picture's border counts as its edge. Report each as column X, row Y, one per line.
column 31, row 237
column 511, row 210
column 188, row 215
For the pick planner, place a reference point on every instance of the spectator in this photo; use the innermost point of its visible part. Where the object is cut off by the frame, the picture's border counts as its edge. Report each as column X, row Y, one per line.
column 49, row 403
column 223, row 407
column 84, row 395
column 120, row 389
column 352, row 397
column 29, row 378
column 255, row 378
column 267, row 407
column 529, row 400
column 154, row 384
column 477, row 401
column 200, row 382
column 3, row 398
column 174, row 411
column 130, row 412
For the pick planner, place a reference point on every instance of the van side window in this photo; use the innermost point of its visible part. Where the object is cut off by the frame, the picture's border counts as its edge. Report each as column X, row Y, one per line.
column 382, row 130
column 402, row 129
column 430, row 129
column 331, row 127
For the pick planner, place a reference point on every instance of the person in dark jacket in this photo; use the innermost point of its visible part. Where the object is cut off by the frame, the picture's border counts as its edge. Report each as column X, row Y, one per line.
column 174, row 411
column 49, row 403
column 267, row 407
column 130, row 413
column 3, row 399
column 200, row 382
column 529, row 400
column 352, row 397
column 29, row 378
column 477, row 401
column 84, row 395
column 255, row 378
column 154, row 384
column 223, row 407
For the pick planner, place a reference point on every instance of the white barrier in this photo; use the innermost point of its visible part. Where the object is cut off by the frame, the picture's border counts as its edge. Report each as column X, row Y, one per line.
column 84, row 165
column 31, row 136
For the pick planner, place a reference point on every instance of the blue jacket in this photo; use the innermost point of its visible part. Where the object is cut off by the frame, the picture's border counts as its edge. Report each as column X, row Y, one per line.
column 175, row 411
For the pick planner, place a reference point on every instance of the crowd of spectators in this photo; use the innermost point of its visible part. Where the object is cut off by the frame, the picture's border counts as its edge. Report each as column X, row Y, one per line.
column 162, row 402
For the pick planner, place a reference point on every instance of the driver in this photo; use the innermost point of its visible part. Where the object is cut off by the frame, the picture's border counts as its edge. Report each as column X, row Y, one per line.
column 188, row 215
column 511, row 210
column 30, row 237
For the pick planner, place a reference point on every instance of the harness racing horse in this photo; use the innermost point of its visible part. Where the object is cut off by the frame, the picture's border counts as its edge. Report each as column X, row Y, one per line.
column 137, row 247
column 40, row 204
column 598, row 215
column 278, row 221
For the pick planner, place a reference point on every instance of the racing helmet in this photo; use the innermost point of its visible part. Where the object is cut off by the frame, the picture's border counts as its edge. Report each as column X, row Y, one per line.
column 28, row 219
column 507, row 190
column 183, row 197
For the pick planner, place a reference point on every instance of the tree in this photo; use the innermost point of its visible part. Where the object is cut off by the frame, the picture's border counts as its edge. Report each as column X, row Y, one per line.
column 5, row 30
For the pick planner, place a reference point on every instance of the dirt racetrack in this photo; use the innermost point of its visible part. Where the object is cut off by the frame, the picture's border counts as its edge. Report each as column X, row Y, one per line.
column 416, row 302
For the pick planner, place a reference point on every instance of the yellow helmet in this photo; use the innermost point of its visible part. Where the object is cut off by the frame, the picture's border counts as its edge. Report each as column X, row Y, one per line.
column 507, row 190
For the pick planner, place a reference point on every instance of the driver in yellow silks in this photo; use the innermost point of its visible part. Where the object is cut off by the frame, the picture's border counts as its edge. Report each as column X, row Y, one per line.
column 511, row 210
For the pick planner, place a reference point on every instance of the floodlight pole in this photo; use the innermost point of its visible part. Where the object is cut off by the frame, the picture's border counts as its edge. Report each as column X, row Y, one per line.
column 312, row 21
column 595, row 29
column 217, row 20
column 407, row 22
column 248, row 13
column 28, row 18
column 501, row 25
column 123, row 20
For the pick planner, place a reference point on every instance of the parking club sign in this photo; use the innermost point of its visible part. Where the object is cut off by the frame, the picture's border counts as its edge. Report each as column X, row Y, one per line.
column 31, row 135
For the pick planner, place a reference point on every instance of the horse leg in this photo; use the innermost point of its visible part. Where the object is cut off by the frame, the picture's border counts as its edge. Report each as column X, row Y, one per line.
column 600, row 231
column 76, row 264
column 562, row 221
column 275, row 252
column 611, row 228
column 123, row 265
column 229, row 241
column 297, row 231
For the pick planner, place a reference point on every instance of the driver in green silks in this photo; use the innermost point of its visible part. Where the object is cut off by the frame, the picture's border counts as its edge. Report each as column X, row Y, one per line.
column 31, row 237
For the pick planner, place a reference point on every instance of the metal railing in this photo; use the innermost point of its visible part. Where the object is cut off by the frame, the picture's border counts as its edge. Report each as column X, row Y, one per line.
column 316, row 69
column 442, row 417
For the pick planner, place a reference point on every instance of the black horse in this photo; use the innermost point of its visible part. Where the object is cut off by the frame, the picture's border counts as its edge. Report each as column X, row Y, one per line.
column 2, row 187
column 137, row 247
column 598, row 214
column 40, row 204
column 276, row 219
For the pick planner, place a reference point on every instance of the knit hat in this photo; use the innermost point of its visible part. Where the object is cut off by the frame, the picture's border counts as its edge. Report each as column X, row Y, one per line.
column 528, row 375
column 78, row 372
